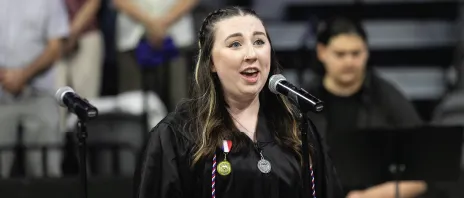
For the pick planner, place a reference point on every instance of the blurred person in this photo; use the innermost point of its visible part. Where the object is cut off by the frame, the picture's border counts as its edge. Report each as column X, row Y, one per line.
column 356, row 97
column 81, row 64
column 154, row 20
column 31, row 34
column 233, row 137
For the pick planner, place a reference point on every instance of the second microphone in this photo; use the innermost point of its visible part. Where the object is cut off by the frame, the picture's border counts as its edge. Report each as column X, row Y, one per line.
column 66, row 97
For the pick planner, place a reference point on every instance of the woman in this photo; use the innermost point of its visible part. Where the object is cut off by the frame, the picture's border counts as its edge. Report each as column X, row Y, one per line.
column 232, row 138
column 348, row 86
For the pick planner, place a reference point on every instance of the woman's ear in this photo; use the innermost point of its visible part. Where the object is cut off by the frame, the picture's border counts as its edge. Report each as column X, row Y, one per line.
column 213, row 68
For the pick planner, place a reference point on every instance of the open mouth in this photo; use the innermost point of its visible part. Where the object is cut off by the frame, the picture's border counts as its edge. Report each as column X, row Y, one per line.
column 250, row 74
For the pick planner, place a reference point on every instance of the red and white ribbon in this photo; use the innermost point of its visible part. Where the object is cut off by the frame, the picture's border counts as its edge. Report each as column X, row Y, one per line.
column 226, row 146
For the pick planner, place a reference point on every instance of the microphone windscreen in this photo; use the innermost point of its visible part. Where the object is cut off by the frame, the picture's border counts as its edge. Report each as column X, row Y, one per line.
column 60, row 93
column 274, row 80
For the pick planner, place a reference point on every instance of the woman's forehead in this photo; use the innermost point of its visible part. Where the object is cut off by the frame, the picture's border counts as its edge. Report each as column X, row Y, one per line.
column 246, row 25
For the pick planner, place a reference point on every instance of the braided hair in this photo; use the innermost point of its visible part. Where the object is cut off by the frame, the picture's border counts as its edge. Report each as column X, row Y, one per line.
column 217, row 15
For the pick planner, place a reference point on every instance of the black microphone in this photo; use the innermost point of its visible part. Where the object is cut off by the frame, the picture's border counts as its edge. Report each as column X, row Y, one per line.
column 66, row 97
column 307, row 102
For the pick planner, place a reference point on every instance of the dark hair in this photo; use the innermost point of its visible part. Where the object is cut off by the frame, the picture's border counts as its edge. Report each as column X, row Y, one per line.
column 336, row 26
column 210, row 122
column 333, row 27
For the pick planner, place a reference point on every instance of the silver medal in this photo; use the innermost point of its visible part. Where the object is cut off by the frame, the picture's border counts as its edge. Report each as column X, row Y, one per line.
column 263, row 165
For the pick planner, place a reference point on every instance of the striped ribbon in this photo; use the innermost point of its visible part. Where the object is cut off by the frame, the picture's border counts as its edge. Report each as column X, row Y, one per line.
column 313, row 182
column 213, row 178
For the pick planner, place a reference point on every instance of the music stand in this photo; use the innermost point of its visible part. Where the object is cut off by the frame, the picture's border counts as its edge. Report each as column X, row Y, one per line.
column 373, row 156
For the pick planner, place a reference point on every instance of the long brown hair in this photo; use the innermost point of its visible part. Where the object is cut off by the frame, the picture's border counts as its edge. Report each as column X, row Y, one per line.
column 210, row 122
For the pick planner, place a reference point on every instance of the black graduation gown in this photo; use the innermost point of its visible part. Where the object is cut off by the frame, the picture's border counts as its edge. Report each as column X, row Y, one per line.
column 164, row 168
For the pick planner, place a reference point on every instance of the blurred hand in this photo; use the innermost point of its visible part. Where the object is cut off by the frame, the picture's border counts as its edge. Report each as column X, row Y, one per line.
column 70, row 45
column 355, row 194
column 12, row 80
column 156, row 31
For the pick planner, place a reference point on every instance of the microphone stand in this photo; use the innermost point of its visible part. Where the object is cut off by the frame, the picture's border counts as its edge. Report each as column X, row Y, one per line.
column 84, row 112
column 397, row 168
column 305, row 151
column 81, row 136
column 305, row 125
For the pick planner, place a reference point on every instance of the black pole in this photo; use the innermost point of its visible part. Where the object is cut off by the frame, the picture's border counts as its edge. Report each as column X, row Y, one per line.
column 81, row 136
column 305, row 151
column 397, row 148
column 19, row 168
column 145, row 92
column 306, row 126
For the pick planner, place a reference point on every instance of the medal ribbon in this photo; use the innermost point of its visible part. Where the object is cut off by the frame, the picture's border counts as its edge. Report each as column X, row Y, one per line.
column 226, row 147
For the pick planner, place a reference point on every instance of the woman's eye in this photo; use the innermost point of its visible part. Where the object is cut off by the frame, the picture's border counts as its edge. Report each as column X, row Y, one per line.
column 259, row 42
column 235, row 44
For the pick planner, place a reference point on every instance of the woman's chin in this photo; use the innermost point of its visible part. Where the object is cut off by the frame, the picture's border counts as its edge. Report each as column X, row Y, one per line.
column 249, row 92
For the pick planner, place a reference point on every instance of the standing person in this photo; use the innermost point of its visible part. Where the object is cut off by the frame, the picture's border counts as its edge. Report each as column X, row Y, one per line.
column 233, row 137
column 356, row 97
column 155, row 21
column 81, row 65
column 31, row 34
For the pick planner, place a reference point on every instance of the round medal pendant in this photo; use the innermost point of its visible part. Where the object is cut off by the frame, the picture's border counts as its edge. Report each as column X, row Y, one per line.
column 224, row 168
column 264, row 166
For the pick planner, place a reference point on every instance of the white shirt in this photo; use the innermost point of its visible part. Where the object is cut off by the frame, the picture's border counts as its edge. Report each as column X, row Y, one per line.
column 129, row 32
column 25, row 28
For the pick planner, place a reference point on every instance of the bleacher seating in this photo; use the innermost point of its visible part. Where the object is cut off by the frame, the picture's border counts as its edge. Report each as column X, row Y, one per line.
column 412, row 42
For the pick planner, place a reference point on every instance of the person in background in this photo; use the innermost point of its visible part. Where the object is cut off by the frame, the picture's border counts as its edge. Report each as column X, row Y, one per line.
column 233, row 137
column 356, row 97
column 31, row 34
column 154, row 20
column 81, row 64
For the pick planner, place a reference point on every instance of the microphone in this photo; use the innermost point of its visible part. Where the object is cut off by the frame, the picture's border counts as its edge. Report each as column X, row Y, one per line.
column 278, row 84
column 66, row 97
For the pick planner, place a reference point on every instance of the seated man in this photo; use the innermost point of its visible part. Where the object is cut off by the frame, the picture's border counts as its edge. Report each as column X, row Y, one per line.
column 355, row 97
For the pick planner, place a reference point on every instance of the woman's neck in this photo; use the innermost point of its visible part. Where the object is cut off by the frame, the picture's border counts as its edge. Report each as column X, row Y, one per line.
column 244, row 114
column 339, row 89
column 239, row 107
